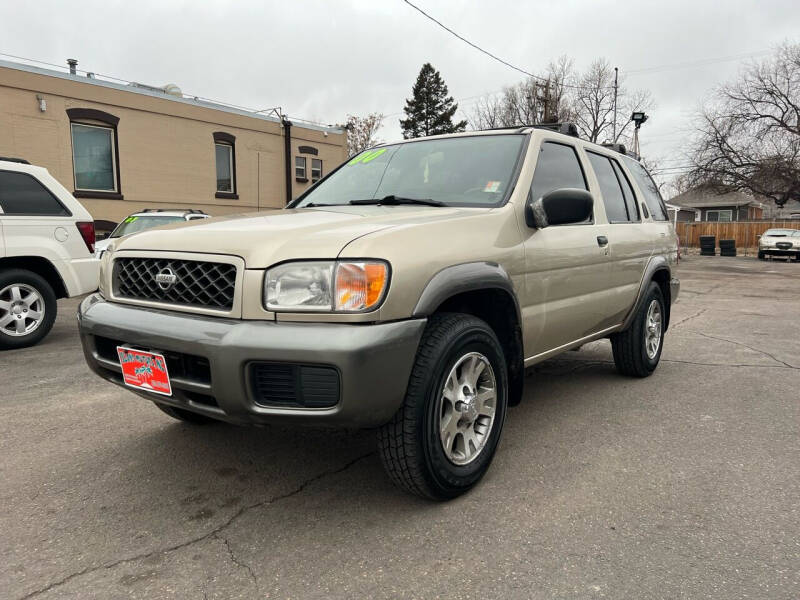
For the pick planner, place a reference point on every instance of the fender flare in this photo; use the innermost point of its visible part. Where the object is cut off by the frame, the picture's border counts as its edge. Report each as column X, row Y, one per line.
column 656, row 263
column 466, row 277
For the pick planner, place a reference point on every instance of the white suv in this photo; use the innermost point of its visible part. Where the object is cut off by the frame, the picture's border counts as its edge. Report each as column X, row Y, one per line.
column 148, row 219
column 46, row 251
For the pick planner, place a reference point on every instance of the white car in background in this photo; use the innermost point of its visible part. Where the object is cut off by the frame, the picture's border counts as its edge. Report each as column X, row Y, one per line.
column 46, row 251
column 779, row 242
column 147, row 219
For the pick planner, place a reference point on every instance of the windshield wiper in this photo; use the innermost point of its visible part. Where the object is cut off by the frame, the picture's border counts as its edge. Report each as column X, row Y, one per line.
column 392, row 200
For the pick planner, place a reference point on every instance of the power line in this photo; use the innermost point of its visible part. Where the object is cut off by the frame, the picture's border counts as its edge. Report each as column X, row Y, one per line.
column 489, row 54
column 697, row 63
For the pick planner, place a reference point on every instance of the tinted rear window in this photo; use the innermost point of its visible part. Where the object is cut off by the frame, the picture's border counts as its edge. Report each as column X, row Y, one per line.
column 613, row 199
column 652, row 197
column 23, row 194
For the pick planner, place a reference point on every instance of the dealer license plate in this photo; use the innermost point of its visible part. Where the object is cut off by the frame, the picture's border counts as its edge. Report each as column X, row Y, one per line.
column 144, row 370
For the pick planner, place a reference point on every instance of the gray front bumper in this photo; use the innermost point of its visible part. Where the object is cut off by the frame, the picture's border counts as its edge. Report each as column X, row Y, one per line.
column 374, row 360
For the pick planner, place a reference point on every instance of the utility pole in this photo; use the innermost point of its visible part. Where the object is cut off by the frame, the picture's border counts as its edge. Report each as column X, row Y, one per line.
column 616, row 86
column 547, row 103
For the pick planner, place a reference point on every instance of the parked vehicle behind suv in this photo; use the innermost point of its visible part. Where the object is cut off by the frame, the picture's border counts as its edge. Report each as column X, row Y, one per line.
column 407, row 291
column 46, row 251
column 148, row 219
column 779, row 242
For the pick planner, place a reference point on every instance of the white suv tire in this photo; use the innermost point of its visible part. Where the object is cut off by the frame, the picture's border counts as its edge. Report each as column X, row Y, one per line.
column 28, row 308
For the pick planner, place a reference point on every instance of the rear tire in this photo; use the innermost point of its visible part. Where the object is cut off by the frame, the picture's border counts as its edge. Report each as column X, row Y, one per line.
column 637, row 350
column 443, row 438
column 186, row 416
column 23, row 294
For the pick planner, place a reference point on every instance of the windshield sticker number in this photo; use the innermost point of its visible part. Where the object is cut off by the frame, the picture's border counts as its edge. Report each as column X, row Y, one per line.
column 130, row 219
column 367, row 157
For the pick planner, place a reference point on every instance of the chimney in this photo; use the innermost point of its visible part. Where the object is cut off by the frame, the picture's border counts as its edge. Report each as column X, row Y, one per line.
column 73, row 66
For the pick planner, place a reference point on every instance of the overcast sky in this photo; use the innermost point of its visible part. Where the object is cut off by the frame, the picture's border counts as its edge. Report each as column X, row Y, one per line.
column 323, row 59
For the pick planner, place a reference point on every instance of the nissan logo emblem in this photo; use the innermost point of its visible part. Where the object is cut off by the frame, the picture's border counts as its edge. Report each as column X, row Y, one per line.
column 166, row 279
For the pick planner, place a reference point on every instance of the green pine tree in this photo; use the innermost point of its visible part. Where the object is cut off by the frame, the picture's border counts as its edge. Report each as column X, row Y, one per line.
column 431, row 110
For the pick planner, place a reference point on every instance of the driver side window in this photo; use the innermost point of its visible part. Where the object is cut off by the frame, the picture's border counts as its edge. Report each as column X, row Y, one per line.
column 558, row 167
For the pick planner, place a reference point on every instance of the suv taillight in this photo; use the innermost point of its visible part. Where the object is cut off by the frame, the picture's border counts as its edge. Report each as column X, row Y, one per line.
column 87, row 233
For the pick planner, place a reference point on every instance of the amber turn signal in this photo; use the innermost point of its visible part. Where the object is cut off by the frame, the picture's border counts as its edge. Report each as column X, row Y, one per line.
column 360, row 285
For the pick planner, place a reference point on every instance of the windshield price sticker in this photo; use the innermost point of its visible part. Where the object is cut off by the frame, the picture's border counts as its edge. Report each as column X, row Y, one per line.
column 367, row 157
column 492, row 186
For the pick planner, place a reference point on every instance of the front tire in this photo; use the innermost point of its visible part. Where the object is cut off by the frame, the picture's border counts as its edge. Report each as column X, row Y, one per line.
column 27, row 308
column 443, row 438
column 761, row 255
column 637, row 350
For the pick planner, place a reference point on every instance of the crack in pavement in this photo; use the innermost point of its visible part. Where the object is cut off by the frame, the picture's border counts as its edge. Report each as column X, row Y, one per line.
column 235, row 560
column 213, row 533
column 694, row 316
column 737, row 343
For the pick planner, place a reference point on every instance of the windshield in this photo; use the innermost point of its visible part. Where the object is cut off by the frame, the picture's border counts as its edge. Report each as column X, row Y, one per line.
column 463, row 171
column 782, row 232
column 137, row 224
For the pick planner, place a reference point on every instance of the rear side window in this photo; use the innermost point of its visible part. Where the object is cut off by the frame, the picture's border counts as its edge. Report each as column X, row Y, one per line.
column 558, row 167
column 22, row 194
column 652, row 197
column 613, row 198
column 627, row 190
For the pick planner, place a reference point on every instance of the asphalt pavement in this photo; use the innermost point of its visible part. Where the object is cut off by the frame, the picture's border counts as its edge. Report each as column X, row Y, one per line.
column 682, row 485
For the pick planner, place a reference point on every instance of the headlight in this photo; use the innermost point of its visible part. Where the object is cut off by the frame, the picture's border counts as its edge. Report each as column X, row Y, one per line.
column 105, row 259
column 326, row 286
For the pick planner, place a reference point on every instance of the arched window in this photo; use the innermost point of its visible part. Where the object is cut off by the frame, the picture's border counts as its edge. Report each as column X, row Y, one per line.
column 225, row 157
column 95, row 153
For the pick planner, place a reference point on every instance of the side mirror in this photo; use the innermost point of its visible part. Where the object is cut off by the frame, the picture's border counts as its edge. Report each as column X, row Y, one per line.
column 559, row 207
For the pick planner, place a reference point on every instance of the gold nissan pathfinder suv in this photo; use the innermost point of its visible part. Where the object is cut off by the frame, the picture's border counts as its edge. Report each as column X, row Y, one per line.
column 407, row 291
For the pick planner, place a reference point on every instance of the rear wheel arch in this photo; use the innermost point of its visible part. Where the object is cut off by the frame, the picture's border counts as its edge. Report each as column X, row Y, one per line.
column 41, row 266
column 483, row 290
column 657, row 270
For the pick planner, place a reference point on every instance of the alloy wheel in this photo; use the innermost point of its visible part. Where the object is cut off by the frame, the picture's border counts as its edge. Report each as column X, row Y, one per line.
column 466, row 408
column 21, row 309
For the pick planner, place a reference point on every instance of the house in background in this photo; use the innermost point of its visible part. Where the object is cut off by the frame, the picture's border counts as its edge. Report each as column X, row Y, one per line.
column 709, row 206
column 126, row 147
column 680, row 214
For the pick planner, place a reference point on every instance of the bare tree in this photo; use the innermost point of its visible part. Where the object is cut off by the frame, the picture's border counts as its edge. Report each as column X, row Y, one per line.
column 749, row 131
column 561, row 95
column 538, row 99
column 362, row 132
column 593, row 105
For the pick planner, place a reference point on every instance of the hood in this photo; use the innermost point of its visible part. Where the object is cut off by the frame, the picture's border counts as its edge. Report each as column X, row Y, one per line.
column 265, row 238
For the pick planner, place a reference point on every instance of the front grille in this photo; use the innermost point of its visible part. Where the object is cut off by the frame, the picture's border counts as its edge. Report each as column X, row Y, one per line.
column 784, row 245
column 198, row 284
column 294, row 386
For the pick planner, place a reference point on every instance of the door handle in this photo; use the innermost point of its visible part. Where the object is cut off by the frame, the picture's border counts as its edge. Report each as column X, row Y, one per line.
column 602, row 240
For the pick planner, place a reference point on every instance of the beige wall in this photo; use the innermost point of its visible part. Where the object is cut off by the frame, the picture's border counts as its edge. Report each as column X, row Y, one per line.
column 166, row 148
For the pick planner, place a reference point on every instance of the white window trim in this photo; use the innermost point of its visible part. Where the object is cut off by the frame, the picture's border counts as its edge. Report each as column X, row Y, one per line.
column 728, row 211
column 229, row 147
column 113, row 157
column 319, row 175
column 304, row 167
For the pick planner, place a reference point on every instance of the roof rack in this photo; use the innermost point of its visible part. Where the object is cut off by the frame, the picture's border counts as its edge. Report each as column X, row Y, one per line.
column 615, row 147
column 565, row 128
column 21, row 161
column 193, row 211
column 621, row 149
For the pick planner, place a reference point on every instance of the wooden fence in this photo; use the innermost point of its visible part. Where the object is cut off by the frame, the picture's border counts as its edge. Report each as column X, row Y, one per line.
column 744, row 232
